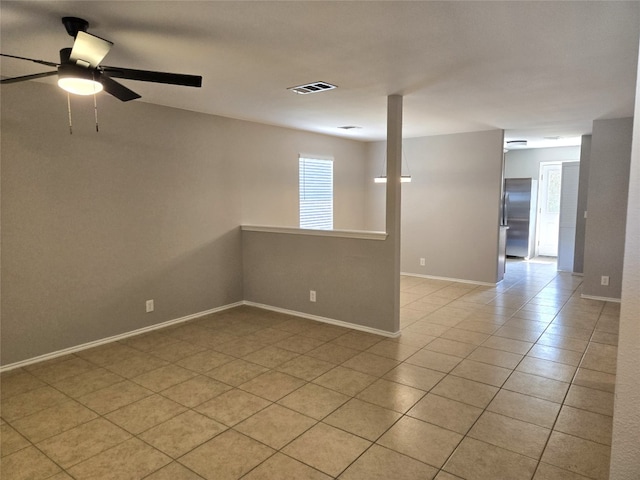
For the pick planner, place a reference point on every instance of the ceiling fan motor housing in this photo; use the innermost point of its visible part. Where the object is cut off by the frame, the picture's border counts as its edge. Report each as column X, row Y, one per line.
column 75, row 25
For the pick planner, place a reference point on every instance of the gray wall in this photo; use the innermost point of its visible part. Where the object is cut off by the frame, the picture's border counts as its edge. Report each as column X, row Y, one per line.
column 581, row 221
column 268, row 160
column 356, row 280
column 94, row 224
column 607, row 206
column 625, row 447
column 353, row 278
column 525, row 163
column 450, row 210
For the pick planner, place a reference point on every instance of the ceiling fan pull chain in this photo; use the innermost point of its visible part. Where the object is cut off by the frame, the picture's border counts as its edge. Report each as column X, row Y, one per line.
column 69, row 110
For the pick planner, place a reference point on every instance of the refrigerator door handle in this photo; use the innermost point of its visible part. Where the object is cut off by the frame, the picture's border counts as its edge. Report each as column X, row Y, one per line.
column 505, row 209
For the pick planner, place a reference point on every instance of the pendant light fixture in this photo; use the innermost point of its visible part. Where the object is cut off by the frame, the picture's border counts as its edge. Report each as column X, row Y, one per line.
column 403, row 178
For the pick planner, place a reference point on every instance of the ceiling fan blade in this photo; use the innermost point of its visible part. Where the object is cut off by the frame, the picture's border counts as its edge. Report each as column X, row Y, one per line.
column 117, row 89
column 28, row 77
column 89, row 50
column 41, row 62
column 157, row 77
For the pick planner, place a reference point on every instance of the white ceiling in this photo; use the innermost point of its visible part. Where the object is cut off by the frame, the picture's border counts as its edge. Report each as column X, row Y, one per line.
column 536, row 69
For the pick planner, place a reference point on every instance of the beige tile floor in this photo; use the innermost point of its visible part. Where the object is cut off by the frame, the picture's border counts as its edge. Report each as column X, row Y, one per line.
column 509, row 382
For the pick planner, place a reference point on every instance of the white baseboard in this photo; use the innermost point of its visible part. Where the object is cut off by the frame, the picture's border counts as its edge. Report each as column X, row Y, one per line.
column 604, row 299
column 158, row 326
column 115, row 338
column 331, row 321
column 447, row 279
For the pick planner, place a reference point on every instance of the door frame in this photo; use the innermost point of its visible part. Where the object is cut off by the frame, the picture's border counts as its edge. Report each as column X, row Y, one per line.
column 541, row 186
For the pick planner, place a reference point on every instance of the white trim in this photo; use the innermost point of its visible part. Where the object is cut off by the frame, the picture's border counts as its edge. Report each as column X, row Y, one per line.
column 331, row 321
column 361, row 234
column 457, row 280
column 115, row 338
column 604, row 299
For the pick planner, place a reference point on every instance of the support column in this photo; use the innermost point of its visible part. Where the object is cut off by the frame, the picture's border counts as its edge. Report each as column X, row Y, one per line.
column 394, row 194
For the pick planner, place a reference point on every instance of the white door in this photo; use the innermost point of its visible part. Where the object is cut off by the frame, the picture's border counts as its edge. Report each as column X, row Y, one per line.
column 549, row 209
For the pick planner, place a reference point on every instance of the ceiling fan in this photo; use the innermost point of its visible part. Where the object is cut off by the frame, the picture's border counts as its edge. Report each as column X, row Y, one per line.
column 80, row 72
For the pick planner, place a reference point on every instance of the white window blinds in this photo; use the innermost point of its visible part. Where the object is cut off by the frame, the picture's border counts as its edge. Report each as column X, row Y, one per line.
column 316, row 193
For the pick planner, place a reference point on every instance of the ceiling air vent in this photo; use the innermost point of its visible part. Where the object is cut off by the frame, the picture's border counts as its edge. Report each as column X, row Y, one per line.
column 314, row 87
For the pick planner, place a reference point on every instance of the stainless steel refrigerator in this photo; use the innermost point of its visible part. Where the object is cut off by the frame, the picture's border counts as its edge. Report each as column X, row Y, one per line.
column 519, row 214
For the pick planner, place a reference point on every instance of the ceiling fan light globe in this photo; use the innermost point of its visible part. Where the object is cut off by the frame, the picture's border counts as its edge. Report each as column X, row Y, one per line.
column 80, row 86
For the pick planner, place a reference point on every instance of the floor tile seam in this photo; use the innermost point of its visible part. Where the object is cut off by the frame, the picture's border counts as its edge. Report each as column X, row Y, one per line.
column 583, row 474
column 171, row 459
column 268, row 366
column 26, row 391
column 537, row 459
column 374, row 443
column 406, row 454
column 51, row 406
column 292, row 458
column 228, row 427
column 442, row 467
column 12, row 425
column 484, row 409
column 608, row 445
column 4, row 456
column 564, row 399
column 280, row 450
column 42, row 453
column 552, row 361
column 564, row 470
column 585, row 409
column 478, row 381
column 424, row 394
column 338, row 391
column 65, row 469
column 186, row 409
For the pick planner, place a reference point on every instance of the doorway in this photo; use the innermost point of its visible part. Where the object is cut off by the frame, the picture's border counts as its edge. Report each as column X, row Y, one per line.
column 548, row 226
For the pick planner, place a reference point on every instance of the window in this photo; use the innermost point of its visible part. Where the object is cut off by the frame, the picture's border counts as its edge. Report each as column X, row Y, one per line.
column 316, row 193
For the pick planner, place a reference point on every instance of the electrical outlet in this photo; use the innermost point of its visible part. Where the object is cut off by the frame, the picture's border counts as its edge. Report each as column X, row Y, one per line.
column 423, row 262
column 149, row 305
column 604, row 280
column 312, row 295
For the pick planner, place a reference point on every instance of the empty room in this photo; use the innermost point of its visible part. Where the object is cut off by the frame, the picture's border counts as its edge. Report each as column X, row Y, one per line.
column 281, row 240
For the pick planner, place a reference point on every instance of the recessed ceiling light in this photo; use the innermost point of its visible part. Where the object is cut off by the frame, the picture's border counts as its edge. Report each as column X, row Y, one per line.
column 314, row 87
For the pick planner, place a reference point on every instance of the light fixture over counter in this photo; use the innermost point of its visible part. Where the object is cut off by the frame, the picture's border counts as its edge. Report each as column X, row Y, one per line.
column 403, row 178
column 383, row 179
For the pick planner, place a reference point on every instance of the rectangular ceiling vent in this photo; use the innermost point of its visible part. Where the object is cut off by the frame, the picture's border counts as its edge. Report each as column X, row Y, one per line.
column 314, row 87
